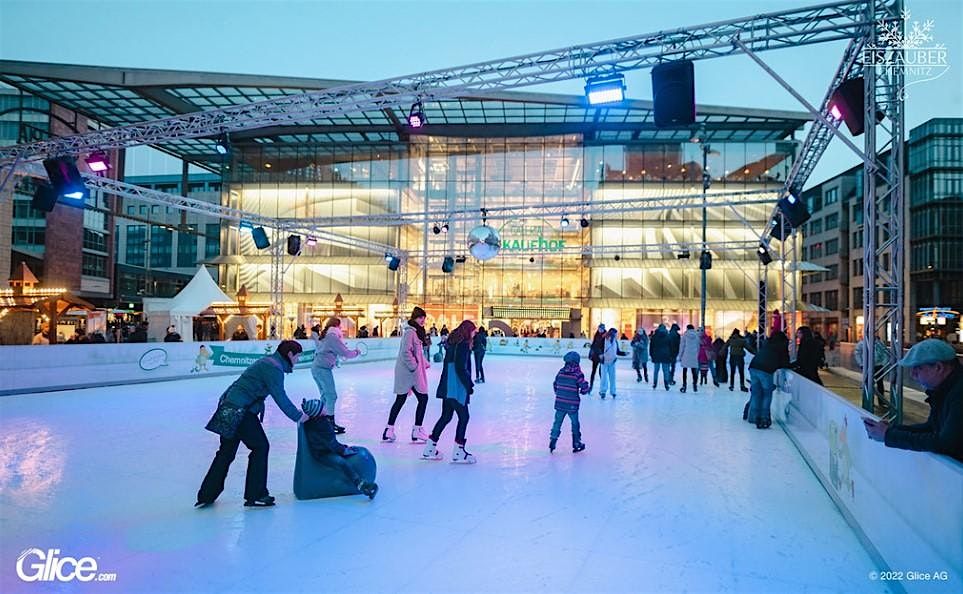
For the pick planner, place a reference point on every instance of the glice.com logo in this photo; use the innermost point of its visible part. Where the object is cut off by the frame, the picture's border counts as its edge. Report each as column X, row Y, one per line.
column 35, row 565
column 913, row 51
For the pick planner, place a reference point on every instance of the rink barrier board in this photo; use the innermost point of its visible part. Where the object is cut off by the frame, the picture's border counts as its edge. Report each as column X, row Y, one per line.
column 906, row 506
column 48, row 368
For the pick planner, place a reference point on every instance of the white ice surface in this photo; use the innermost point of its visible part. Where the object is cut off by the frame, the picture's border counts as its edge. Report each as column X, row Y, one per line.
column 674, row 493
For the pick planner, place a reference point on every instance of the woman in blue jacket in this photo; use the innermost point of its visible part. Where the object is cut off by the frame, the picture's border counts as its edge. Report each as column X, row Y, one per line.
column 265, row 376
column 455, row 388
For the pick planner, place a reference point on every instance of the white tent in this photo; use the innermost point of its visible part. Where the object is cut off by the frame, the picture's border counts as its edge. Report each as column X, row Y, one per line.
column 180, row 310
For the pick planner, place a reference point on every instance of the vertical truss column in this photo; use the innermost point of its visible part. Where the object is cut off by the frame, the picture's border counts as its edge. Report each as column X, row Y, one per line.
column 883, row 212
column 789, row 265
column 276, row 321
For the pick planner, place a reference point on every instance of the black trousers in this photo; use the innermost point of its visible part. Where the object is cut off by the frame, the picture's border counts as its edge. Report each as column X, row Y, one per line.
column 643, row 368
column 695, row 377
column 400, row 401
column 251, row 434
column 479, row 370
column 449, row 407
column 595, row 367
column 740, row 365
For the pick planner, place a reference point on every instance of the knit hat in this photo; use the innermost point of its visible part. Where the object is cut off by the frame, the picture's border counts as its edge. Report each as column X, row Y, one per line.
column 313, row 407
column 572, row 358
column 931, row 350
column 417, row 312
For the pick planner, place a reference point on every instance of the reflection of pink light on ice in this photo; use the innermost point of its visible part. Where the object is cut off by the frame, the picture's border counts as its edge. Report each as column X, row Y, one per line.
column 31, row 461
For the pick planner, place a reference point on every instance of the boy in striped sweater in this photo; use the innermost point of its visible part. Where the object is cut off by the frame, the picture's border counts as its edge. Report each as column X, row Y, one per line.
column 569, row 383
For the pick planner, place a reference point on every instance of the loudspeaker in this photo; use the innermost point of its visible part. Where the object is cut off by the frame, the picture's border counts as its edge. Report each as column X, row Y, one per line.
column 44, row 198
column 779, row 231
column 794, row 209
column 294, row 245
column 448, row 265
column 849, row 101
column 673, row 94
column 65, row 178
column 705, row 260
column 260, row 238
column 393, row 263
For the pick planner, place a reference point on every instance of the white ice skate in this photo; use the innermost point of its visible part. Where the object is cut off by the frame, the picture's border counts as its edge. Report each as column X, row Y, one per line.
column 431, row 451
column 418, row 435
column 389, row 434
column 460, row 456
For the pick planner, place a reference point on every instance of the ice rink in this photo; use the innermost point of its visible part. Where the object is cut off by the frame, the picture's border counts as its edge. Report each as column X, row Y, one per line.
column 674, row 493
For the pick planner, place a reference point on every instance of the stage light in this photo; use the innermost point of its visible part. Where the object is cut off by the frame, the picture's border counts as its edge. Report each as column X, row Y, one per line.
column 444, row 228
column 601, row 91
column 564, row 222
column 705, row 260
column 388, row 257
column 583, row 223
column 311, row 241
column 223, row 145
column 436, row 229
column 532, row 259
column 764, row 256
column 683, row 255
column 448, row 265
column 794, row 209
column 98, row 162
column 617, row 257
column 393, row 262
column 416, row 117
column 65, row 179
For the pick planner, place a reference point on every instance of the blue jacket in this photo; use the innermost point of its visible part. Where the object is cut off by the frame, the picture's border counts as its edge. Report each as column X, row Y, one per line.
column 264, row 376
column 321, row 438
column 569, row 383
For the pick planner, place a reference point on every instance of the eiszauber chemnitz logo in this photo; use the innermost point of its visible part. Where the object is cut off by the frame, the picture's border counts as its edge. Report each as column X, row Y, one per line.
column 910, row 48
column 37, row 565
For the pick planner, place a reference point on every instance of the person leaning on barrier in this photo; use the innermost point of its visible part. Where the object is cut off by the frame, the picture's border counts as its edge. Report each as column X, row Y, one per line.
column 933, row 364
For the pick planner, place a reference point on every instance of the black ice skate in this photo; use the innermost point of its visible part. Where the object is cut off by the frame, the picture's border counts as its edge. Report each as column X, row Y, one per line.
column 578, row 447
column 551, row 446
column 266, row 501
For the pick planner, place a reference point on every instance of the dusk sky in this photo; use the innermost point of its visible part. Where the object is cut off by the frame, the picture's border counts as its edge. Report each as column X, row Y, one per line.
column 362, row 40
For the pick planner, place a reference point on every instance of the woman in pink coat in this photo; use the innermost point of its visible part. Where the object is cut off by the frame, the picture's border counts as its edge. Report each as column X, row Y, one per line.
column 707, row 357
column 411, row 374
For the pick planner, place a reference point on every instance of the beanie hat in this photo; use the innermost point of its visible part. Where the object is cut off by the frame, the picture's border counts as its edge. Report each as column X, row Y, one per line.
column 313, row 407
column 417, row 312
column 572, row 357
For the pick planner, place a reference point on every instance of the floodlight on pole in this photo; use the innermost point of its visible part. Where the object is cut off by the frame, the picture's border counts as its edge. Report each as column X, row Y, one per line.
column 416, row 116
column 98, row 162
column 604, row 90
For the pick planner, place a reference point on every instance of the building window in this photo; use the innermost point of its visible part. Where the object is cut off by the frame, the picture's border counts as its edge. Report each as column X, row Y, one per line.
column 143, row 210
column 136, row 245
column 857, row 298
column 94, row 265
column 212, row 241
column 29, row 236
column 816, row 227
column 857, row 239
column 832, row 272
column 857, row 267
column 815, row 202
column 832, row 247
column 95, row 241
column 832, row 221
column 131, row 209
column 831, row 196
column 186, row 250
column 832, row 300
column 23, row 209
column 816, row 250
column 161, row 247
column 816, row 299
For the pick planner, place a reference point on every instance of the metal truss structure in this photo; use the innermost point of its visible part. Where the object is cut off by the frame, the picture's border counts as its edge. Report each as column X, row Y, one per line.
column 776, row 30
column 854, row 20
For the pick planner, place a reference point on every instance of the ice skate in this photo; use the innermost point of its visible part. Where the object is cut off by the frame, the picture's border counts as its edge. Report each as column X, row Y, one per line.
column 551, row 445
column 418, row 435
column 266, row 501
column 388, row 436
column 460, row 456
column 369, row 489
column 431, row 451
column 578, row 447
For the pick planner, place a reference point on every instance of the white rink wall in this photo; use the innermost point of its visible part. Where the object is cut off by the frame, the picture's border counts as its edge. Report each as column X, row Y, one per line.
column 25, row 369
column 908, row 506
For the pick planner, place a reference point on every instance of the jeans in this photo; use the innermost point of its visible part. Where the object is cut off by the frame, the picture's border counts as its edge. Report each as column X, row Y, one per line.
column 695, row 378
column 324, row 378
column 342, row 465
column 449, row 407
column 760, row 395
column 479, row 370
column 734, row 364
column 576, row 428
column 665, row 373
column 712, row 370
column 672, row 372
column 607, row 375
column 252, row 435
column 400, row 401
column 643, row 368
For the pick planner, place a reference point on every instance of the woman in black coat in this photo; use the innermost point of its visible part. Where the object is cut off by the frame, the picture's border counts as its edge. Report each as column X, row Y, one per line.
column 809, row 355
column 455, row 389
column 660, row 349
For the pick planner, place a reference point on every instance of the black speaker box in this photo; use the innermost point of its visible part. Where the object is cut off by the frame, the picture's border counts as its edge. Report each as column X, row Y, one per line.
column 260, row 238
column 673, row 94
column 44, row 198
column 294, row 245
column 448, row 265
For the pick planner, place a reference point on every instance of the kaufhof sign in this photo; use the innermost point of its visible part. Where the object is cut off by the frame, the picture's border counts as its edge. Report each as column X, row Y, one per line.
column 530, row 236
column 38, row 565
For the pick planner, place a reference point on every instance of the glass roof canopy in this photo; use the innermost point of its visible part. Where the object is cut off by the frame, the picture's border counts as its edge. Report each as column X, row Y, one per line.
column 119, row 96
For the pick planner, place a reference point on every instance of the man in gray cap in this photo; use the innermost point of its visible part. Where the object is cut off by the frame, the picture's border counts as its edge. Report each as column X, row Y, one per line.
column 933, row 364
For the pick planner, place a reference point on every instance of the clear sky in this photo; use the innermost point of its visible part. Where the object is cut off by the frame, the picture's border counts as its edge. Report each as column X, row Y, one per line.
column 368, row 40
